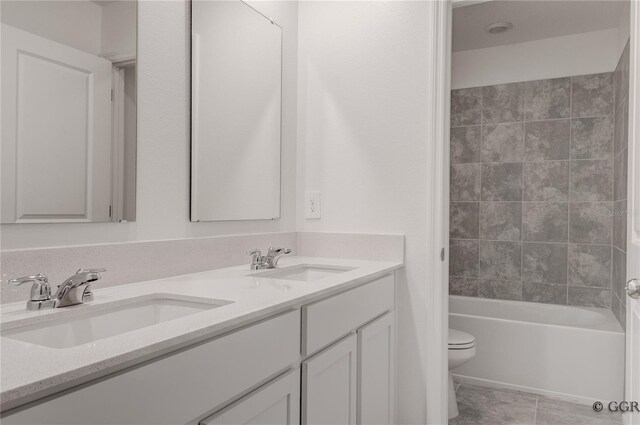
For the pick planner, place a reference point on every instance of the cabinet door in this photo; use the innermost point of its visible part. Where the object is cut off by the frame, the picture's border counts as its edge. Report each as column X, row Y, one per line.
column 376, row 366
column 329, row 385
column 276, row 403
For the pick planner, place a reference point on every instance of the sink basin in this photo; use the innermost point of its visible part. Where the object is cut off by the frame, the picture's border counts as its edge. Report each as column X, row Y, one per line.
column 304, row 272
column 106, row 322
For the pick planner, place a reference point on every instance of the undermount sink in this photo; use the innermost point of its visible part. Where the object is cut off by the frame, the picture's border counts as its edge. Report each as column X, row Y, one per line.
column 106, row 322
column 304, row 272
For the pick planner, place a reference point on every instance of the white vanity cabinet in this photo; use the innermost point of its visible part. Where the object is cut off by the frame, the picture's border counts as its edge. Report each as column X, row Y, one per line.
column 276, row 403
column 376, row 372
column 329, row 385
column 330, row 361
column 352, row 380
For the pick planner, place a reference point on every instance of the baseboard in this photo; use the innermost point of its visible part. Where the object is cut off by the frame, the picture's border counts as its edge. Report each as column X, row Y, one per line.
column 506, row 386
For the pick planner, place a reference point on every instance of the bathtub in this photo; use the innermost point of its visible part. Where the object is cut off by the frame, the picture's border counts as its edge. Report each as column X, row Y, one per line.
column 571, row 353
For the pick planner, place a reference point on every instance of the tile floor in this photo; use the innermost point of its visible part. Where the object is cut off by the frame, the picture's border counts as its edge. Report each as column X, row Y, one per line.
column 488, row 406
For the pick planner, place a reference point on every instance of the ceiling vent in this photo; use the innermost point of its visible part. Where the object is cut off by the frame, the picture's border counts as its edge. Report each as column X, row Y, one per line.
column 499, row 27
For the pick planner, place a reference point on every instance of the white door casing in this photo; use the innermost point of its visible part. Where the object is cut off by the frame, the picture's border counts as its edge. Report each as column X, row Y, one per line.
column 632, row 375
column 56, row 132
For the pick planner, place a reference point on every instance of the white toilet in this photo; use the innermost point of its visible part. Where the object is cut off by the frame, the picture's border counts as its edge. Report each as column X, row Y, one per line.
column 462, row 348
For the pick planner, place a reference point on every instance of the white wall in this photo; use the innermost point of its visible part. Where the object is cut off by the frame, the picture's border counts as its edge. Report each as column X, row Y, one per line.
column 587, row 53
column 363, row 144
column 118, row 28
column 74, row 23
column 163, row 140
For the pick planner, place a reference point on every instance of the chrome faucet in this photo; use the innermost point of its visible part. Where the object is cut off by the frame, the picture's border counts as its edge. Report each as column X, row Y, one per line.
column 74, row 290
column 269, row 261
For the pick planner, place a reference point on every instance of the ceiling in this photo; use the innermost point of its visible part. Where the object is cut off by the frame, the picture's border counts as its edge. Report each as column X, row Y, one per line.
column 532, row 20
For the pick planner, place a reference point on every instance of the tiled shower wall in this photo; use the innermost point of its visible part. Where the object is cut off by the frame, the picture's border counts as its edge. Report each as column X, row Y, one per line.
column 620, row 143
column 532, row 191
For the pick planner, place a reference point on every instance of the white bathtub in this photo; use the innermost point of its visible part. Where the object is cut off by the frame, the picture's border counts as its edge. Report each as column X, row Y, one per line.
column 573, row 353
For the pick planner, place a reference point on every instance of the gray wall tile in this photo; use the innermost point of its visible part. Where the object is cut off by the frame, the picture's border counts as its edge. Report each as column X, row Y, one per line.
column 501, row 221
column 465, row 182
column 590, row 265
column 465, row 144
column 522, row 192
column 621, row 127
column 500, row 289
column 466, row 107
column 463, row 286
column 463, row 220
column 590, row 222
column 591, row 180
column 589, row 297
column 501, row 182
column 592, row 138
column 547, row 140
column 620, row 149
column 592, row 95
column 500, row 260
column 619, row 234
column 544, row 221
column 545, row 99
column 615, row 306
column 619, row 310
column 620, row 165
column 619, row 274
column 463, row 258
column 621, row 76
column 503, row 142
column 503, row 103
column 544, row 263
column 544, row 293
column 546, row 181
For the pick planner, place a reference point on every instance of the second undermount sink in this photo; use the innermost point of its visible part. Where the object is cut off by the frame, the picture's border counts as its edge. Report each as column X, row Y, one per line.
column 106, row 322
column 304, row 272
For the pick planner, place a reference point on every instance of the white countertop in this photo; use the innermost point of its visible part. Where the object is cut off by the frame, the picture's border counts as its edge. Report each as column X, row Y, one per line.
column 30, row 372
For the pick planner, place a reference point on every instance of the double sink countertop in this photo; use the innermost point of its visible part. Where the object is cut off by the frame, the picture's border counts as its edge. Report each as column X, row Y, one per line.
column 31, row 371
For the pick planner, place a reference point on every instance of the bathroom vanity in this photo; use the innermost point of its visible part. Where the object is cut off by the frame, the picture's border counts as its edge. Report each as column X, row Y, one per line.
column 310, row 342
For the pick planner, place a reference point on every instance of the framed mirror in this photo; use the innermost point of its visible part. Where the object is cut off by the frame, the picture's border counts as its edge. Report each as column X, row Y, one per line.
column 236, row 85
column 68, row 111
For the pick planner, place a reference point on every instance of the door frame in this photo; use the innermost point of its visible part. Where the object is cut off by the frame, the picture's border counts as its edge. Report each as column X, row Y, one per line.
column 633, row 190
column 435, row 343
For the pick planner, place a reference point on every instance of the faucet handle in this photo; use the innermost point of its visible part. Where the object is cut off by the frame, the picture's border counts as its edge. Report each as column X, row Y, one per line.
column 39, row 278
column 40, row 291
column 278, row 251
column 98, row 270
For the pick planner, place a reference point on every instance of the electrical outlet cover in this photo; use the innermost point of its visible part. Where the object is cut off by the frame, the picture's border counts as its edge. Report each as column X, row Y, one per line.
column 312, row 207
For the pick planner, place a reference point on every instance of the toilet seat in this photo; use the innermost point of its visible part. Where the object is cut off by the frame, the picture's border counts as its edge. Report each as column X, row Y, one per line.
column 459, row 340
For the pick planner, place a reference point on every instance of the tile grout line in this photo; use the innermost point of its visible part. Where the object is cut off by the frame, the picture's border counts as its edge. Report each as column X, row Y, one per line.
column 477, row 283
column 569, row 184
column 535, row 412
column 532, row 121
column 524, row 132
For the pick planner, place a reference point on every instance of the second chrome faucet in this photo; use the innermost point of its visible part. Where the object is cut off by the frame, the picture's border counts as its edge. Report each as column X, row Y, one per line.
column 269, row 261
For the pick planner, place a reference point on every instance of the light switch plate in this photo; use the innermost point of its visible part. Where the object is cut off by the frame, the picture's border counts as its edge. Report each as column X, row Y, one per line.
column 312, row 207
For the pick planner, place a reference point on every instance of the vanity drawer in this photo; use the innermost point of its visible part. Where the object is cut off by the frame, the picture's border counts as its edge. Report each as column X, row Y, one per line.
column 180, row 387
column 328, row 320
